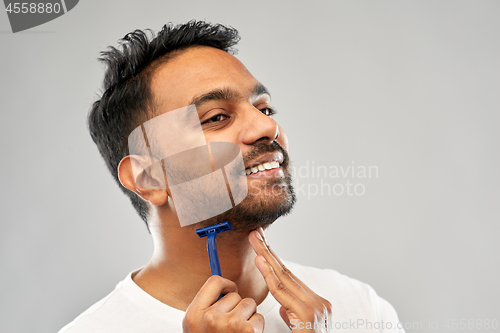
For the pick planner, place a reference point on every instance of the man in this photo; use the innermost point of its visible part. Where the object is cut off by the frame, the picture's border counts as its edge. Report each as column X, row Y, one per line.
column 185, row 65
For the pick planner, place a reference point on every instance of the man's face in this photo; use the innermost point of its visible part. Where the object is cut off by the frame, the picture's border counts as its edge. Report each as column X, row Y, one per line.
column 232, row 107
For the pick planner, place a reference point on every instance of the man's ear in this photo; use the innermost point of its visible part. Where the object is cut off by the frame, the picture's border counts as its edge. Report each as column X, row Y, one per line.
column 148, row 181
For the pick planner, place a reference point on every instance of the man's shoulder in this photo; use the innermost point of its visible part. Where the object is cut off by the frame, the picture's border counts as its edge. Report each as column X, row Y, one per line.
column 328, row 278
column 341, row 290
column 91, row 319
column 356, row 304
column 127, row 308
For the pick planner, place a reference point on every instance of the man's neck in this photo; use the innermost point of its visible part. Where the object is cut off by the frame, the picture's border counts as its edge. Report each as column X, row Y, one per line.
column 179, row 266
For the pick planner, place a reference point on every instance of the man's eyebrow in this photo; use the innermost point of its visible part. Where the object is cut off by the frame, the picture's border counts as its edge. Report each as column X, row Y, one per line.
column 259, row 89
column 226, row 94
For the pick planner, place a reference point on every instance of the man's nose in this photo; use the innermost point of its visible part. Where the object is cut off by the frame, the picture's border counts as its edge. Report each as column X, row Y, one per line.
column 258, row 127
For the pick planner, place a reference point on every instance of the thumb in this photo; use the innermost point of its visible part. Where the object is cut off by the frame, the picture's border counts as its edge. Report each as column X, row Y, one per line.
column 284, row 316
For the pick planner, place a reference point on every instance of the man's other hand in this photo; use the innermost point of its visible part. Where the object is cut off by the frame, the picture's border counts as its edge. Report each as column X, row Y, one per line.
column 301, row 309
column 229, row 314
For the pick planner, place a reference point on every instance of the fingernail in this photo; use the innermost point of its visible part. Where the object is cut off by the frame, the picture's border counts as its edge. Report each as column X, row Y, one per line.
column 262, row 235
column 257, row 234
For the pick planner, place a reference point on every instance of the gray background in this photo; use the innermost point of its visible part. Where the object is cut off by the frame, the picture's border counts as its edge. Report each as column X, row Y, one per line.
column 411, row 87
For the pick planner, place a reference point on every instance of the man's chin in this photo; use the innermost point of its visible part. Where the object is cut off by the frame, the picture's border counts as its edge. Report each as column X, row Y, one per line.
column 259, row 209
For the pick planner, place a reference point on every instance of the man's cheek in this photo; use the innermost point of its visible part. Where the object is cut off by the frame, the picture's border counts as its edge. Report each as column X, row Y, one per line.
column 254, row 188
column 283, row 139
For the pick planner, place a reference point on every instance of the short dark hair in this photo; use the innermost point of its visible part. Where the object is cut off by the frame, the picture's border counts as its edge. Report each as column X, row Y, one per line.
column 127, row 99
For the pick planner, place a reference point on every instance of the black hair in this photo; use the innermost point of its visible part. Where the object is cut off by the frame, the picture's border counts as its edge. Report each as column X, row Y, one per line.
column 127, row 99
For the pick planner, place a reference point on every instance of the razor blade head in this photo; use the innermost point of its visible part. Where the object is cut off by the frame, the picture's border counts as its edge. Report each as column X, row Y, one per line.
column 214, row 229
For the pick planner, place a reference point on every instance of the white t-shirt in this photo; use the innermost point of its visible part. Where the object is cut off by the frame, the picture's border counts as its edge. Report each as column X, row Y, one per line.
column 129, row 309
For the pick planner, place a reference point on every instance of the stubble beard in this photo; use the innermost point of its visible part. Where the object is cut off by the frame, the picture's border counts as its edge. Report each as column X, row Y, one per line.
column 267, row 199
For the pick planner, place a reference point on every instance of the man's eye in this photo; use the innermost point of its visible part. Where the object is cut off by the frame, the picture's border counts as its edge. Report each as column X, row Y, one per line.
column 268, row 111
column 217, row 118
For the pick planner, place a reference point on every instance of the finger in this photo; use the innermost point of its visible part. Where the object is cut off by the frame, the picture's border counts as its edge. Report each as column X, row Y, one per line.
column 227, row 303
column 279, row 291
column 209, row 293
column 245, row 308
column 260, row 230
column 283, row 274
column 262, row 248
column 281, row 270
column 284, row 316
column 257, row 321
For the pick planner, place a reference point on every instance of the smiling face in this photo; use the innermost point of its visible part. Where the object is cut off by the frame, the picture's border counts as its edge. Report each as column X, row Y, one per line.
column 232, row 107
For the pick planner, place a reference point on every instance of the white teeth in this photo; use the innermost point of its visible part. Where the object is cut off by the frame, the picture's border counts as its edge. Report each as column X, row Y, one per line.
column 262, row 167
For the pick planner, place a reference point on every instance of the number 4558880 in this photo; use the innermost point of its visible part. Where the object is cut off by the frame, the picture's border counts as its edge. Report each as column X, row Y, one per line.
column 33, row 8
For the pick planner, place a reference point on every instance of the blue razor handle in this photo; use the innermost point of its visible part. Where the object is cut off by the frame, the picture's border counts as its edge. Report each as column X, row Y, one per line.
column 211, row 233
